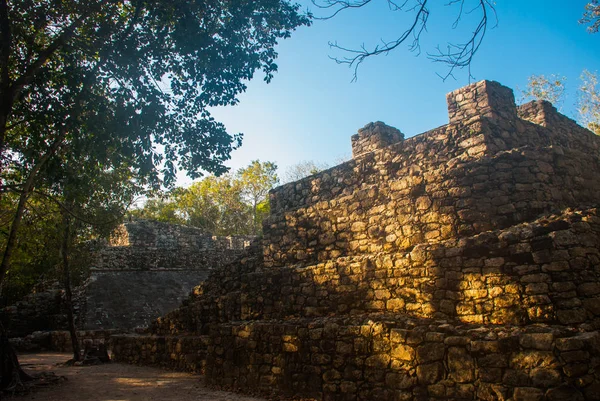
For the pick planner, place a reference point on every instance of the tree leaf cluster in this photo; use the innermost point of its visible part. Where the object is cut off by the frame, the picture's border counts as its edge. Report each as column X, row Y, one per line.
column 231, row 204
column 552, row 89
column 100, row 100
column 133, row 80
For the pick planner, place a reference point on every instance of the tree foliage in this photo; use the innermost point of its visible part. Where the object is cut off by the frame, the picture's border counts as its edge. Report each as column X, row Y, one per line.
column 231, row 204
column 143, row 71
column 257, row 179
column 552, row 89
column 589, row 101
column 35, row 257
column 540, row 87
column 216, row 205
column 591, row 16
column 94, row 200
column 303, row 169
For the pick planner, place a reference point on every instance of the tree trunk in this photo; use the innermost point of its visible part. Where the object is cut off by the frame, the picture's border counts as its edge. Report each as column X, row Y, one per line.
column 11, row 374
column 11, row 241
column 254, row 217
column 64, row 250
column 6, row 96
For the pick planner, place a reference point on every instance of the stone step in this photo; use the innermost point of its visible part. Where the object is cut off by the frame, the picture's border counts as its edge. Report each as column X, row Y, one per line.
column 381, row 357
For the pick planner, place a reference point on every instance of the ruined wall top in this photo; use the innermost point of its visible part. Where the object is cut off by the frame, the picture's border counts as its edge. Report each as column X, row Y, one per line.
column 157, row 234
column 481, row 99
column 374, row 136
column 147, row 244
column 492, row 166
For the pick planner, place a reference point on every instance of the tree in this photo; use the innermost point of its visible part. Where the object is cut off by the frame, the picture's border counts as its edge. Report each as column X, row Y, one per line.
column 589, row 101
column 35, row 256
column 77, row 200
column 591, row 16
column 153, row 67
column 551, row 89
column 232, row 204
column 257, row 180
column 454, row 55
column 216, row 205
column 163, row 207
column 125, row 78
column 303, row 169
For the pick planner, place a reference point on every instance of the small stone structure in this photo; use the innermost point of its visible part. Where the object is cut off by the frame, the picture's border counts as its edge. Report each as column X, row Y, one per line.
column 463, row 263
column 148, row 268
column 145, row 270
column 41, row 310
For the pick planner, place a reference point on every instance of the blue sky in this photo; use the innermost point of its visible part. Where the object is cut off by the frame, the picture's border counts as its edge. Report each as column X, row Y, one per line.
column 312, row 107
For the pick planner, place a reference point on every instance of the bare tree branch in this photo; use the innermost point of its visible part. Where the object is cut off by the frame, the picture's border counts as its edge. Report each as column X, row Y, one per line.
column 455, row 56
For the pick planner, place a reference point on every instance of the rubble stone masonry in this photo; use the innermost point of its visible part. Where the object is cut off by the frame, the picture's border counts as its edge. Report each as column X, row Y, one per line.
column 463, row 263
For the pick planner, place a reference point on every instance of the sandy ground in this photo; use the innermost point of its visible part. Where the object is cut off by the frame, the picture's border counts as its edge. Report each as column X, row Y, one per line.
column 117, row 382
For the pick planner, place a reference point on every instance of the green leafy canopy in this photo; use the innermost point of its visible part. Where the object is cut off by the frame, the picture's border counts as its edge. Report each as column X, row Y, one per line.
column 132, row 81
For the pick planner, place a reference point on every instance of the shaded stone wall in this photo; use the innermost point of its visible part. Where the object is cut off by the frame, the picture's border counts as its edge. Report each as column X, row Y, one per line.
column 151, row 245
column 44, row 310
column 145, row 270
column 130, row 299
column 60, row 340
column 463, row 263
column 148, row 268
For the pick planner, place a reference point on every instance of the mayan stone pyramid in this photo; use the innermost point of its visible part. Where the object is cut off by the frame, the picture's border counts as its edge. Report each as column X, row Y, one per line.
column 462, row 263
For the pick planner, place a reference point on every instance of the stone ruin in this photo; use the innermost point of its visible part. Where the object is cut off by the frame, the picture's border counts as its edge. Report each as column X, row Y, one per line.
column 145, row 269
column 462, row 263
column 148, row 268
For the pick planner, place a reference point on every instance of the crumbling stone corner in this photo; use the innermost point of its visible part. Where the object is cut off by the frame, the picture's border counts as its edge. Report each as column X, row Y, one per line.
column 374, row 136
column 482, row 99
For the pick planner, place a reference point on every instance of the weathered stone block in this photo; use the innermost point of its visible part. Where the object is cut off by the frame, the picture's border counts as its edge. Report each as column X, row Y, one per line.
column 430, row 373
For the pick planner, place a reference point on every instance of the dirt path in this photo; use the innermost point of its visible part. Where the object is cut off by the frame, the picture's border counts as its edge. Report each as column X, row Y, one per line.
column 118, row 382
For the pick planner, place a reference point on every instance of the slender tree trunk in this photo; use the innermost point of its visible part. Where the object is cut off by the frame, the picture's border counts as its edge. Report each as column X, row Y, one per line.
column 6, row 96
column 255, row 217
column 64, row 250
column 11, row 374
column 11, row 241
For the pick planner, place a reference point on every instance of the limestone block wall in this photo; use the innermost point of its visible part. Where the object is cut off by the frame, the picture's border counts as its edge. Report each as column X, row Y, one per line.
column 457, row 180
column 374, row 136
column 150, row 245
column 129, row 299
column 148, row 268
column 383, row 357
column 482, row 99
column 186, row 353
column 463, row 263
column 546, row 271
